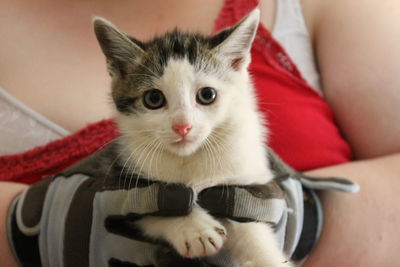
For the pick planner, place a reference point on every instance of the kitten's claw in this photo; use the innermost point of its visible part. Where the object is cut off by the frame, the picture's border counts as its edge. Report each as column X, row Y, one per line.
column 248, row 264
column 187, row 255
column 213, row 243
column 221, row 232
column 253, row 264
column 201, row 238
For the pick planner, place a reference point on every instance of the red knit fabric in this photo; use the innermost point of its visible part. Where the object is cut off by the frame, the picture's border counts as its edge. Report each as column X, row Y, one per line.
column 302, row 127
column 301, row 124
column 49, row 159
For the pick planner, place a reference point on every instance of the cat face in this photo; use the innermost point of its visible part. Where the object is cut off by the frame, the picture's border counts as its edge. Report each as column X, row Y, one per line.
column 176, row 91
column 182, row 107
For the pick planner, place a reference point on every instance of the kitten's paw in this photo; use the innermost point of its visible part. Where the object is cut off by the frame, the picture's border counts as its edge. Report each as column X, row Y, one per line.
column 248, row 264
column 199, row 238
column 280, row 264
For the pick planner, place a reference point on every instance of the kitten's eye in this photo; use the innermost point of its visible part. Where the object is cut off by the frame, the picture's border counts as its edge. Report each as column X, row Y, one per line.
column 206, row 96
column 154, row 99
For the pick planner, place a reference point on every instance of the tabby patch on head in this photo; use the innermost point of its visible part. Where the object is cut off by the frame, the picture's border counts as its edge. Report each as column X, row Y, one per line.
column 176, row 90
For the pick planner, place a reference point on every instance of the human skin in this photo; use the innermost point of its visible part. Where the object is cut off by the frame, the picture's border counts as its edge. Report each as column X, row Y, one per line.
column 356, row 45
column 361, row 229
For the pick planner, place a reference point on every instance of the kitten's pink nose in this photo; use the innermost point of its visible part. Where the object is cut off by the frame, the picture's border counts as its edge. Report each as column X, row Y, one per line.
column 182, row 129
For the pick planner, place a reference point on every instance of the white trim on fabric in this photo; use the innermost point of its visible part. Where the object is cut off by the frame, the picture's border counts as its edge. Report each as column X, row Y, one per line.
column 33, row 114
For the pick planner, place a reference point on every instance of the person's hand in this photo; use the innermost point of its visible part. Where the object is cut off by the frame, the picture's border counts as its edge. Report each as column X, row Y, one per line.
column 79, row 220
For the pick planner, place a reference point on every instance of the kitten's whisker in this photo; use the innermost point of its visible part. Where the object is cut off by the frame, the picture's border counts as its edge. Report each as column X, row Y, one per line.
column 220, row 140
column 211, row 158
column 217, row 156
column 152, row 150
column 142, row 143
column 220, row 143
column 141, row 163
column 114, row 161
column 146, row 131
column 156, row 149
column 220, row 146
column 162, row 147
column 109, row 142
column 122, row 171
column 141, row 149
column 133, row 172
column 119, row 155
column 225, row 130
column 205, row 147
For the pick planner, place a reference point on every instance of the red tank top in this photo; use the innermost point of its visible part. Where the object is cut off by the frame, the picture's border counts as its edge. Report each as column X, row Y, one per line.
column 302, row 127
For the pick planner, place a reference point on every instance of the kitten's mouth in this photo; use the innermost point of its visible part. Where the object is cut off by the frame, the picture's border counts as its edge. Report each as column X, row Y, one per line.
column 183, row 146
column 182, row 141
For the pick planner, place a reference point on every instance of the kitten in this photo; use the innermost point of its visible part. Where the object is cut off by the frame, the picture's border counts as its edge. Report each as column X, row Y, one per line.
column 187, row 113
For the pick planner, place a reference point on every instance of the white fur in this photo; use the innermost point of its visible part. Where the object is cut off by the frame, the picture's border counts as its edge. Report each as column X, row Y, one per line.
column 231, row 124
column 238, row 156
column 227, row 147
column 254, row 245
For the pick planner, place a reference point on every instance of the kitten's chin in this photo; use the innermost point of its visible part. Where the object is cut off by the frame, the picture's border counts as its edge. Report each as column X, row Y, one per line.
column 183, row 148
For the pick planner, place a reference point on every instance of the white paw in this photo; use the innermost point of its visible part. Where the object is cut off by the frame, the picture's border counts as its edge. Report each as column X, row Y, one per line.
column 249, row 264
column 199, row 237
column 280, row 264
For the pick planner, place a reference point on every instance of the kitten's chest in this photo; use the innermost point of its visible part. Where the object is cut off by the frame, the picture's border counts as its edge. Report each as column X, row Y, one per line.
column 203, row 172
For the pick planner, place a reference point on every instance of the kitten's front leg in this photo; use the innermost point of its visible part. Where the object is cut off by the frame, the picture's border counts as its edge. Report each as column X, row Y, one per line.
column 195, row 235
column 254, row 245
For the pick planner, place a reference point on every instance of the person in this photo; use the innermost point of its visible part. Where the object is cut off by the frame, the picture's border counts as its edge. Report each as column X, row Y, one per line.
column 57, row 67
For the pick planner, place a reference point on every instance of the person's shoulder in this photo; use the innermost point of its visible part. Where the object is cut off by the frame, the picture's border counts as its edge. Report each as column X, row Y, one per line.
column 356, row 45
column 362, row 12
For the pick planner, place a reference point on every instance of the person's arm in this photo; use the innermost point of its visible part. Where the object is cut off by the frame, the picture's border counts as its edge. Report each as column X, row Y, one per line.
column 361, row 229
column 357, row 46
column 55, row 209
column 7, row 192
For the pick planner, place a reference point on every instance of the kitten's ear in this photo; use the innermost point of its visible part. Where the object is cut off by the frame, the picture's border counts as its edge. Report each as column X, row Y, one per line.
column 236, row 41
column 118, row 48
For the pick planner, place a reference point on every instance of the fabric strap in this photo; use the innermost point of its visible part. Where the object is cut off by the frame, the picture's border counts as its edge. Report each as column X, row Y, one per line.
column 84, row 217
column 263, row 203
column 312, row 226
column 25, row 248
